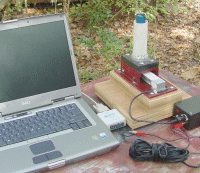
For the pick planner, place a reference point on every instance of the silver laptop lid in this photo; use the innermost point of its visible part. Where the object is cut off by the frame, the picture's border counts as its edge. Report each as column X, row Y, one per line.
column 37, row 63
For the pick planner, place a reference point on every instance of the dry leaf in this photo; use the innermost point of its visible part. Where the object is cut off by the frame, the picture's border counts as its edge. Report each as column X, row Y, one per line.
column 197, row 40
column 183, row 58
column 72, row 25
column 97, row 38
column 117, row 24
column 97, row 45
column 86, row 54
column 190, row 74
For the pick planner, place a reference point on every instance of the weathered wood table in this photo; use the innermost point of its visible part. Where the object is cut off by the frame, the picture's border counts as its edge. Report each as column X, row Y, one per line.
column 118, row 160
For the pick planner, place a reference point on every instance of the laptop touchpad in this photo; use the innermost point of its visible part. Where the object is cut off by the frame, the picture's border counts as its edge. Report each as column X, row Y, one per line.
column 42, row 147
column 48, row 156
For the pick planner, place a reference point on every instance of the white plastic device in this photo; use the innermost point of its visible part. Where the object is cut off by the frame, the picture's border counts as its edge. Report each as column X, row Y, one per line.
column 113, row 119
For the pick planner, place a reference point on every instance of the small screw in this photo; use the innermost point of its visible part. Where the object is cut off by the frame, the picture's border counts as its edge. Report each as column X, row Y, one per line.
column 133, row 82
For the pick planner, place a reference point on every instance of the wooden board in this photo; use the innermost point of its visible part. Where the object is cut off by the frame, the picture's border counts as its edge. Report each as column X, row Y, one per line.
column 147, row 103
column 115, row 97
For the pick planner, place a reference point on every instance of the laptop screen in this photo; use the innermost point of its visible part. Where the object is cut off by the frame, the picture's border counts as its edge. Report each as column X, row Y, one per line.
column 34, row 60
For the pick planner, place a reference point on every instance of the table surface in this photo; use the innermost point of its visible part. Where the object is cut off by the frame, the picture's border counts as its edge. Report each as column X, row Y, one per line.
column 118, row 160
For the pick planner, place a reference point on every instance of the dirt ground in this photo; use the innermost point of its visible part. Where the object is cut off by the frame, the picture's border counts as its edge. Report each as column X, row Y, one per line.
column 175, row 39
column 178, row 42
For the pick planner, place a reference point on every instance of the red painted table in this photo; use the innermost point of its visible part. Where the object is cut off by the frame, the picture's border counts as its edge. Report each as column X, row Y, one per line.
column 118, row 160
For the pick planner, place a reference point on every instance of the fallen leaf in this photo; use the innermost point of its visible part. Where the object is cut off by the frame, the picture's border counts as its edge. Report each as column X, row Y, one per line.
column 97, row 45
column 197, row 40
column 190, row 74
column 183, row 58
column 86, row 54
column 72, row 25
column 97, row 38
column 117, row 24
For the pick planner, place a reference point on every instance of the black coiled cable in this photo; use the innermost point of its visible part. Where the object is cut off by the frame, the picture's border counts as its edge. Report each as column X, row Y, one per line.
column 141, row 150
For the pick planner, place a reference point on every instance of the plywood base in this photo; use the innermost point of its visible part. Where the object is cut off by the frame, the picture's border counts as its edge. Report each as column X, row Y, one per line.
column 118, row 93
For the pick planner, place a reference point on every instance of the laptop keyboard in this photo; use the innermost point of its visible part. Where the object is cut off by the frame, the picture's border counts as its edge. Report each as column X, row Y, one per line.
column 43, row 123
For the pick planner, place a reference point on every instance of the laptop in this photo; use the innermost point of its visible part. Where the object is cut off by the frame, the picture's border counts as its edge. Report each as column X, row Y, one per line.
column 44, row 122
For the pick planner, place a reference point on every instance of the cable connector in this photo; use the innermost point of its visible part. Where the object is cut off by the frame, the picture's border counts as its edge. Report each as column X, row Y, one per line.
column 139, row 133
column 99, row 108
column 179, row 125
column 181, row 118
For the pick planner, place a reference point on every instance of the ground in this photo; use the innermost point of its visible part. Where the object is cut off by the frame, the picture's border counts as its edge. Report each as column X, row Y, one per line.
column 179, row 44
column 174, row 40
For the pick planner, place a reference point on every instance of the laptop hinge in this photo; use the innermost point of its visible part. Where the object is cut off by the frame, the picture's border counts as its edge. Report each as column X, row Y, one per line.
column 62, row 99
column 10, row 21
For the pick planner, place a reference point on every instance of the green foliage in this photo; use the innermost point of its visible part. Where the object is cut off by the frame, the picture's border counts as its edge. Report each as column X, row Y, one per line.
column 110, row 46
column 17, row 8
column 95, row 12
column 85, row 76
column 100, row 12
column 87, row 42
